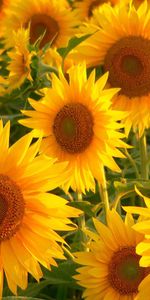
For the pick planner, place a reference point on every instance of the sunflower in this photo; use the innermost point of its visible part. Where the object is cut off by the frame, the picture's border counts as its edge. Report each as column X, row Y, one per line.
column 20, row 59
column 143, row 227
column 144, row 289
column 111, row 266
column 143, row 248
column 78, row 126
column 29, row 215
column 3, row 5
column 85, row 8
column 137, row 3
column 50, row 19
column 122, row 47
column 52, row 58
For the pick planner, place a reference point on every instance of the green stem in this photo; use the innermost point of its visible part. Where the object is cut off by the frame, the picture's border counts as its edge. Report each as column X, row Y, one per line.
column 117, row 200
column 103, row 192
column 133, row 163
column 81, row 224
column 81, row 219
column 10, row 117
column 144, row 158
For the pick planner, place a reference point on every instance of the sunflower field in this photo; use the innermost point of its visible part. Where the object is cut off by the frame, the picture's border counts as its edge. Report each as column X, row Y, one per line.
column 75, row 150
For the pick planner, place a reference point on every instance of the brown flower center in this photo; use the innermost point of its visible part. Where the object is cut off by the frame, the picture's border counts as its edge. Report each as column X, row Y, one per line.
column 11, row 207
column 125, row 274
column 129, row 66
column 73, row 128
column 43, row 24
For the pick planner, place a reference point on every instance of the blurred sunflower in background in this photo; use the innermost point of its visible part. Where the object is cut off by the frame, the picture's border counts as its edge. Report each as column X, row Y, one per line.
column 122, row 47
column 20, row 59
column 29, row 215
column 52, row 58
column 78, row 125
column 3, row 5
column 110, row 269
column 85, row 8
column 52, row 20
column 137, row 3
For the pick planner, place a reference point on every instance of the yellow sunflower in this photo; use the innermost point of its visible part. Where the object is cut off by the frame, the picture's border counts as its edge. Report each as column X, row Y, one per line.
column 137, row 3
column 20, row 59
column 144, row 289
column 78, row 126
column 143, row 248
column 122, row 46
column 52, row 19
column 52, row 58
column 29, row 215
column 143, row 227
column 111, row 268
column 3, row 5
column 85, row 8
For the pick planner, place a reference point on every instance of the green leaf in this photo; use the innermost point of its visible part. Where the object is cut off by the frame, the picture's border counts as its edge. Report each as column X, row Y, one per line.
column 85, row 206
column 34, row 288
column 126, row 187
column 20, row 298
column 61, row 275
column 75, row 41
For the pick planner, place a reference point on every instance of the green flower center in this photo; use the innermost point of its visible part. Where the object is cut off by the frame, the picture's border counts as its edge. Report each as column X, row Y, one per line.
column 73, row 128
column 128, row 64
column 11, row 207
column 131, row 65
column 69, row 127
column 42, row 24
column 129, row 270
column 125, row 274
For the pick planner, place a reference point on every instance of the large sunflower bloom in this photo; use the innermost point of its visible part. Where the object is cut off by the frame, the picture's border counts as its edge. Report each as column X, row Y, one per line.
column 111, row 267
column 122, row 46
column 78, row 125
column 29, row 215
column 49, row 18
column 19, row 65
column 143, row 248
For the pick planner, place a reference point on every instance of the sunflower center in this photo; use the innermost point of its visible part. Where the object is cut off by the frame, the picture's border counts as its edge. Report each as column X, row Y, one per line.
column 129, row 66
column 125, row 274
column 93, row 5
column 42, row 24
column 3, row 208
column 73, row 128
column 11, row 207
